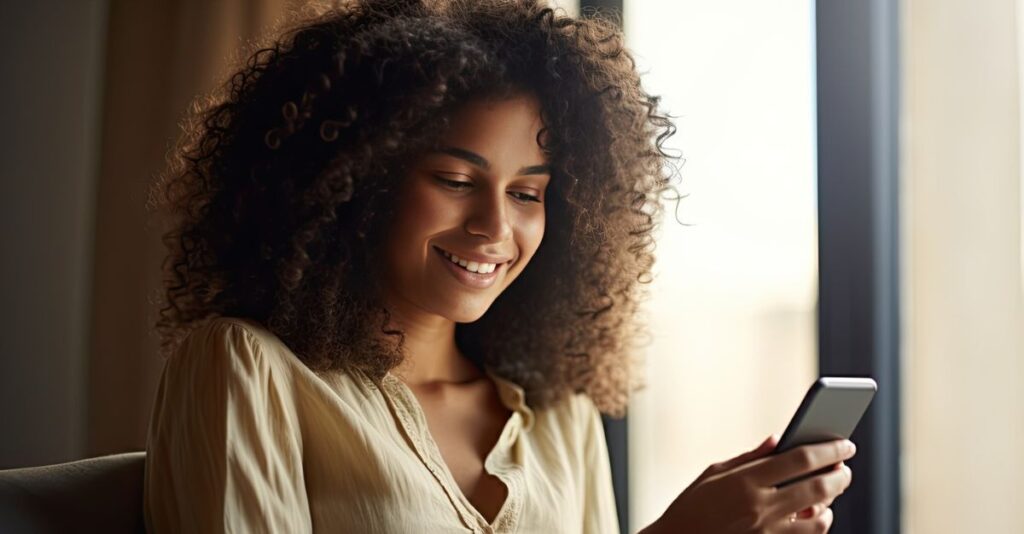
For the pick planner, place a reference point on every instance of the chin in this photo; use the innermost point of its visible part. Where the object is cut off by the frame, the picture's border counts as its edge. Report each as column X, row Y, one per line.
column 465, row 313
column 466, row 317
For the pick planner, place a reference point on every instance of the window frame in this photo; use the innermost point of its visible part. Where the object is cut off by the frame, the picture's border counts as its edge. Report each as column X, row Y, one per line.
column 859, row 306
column 859, row 303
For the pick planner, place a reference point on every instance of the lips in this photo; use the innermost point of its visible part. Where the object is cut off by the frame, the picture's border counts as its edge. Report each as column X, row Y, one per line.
column 468, row 278
column 477, row 259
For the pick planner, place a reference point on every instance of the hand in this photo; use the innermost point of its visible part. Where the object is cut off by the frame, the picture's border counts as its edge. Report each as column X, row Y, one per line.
column 740, row 494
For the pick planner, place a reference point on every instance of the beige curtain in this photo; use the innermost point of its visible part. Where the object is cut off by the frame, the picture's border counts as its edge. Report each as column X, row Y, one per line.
column 159, row 56
column 964, row 342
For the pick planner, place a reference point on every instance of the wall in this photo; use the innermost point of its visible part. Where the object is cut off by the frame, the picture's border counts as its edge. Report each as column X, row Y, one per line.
column 964, row 367
column 50, row 54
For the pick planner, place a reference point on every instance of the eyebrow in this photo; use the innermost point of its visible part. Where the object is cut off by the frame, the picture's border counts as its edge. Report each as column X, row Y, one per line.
column 480, row 161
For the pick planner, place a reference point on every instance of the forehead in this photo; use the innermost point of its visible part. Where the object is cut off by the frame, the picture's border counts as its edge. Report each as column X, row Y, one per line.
column 498, row 126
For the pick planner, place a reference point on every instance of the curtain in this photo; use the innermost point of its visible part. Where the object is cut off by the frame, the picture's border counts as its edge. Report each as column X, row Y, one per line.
column 964, row 333
column 159, row 56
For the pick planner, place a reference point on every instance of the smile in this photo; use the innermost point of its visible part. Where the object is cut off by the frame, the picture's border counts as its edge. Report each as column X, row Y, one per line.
column 471, row 266
column 470, row 273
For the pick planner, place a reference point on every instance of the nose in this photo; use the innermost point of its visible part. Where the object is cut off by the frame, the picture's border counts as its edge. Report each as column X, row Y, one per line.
column 489, row 218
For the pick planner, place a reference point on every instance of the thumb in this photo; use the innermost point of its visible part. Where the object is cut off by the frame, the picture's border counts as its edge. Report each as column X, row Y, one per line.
column 770, row 442
column 765, row 448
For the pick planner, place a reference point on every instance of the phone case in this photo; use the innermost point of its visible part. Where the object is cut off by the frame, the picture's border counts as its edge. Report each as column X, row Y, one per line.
column 830, row 410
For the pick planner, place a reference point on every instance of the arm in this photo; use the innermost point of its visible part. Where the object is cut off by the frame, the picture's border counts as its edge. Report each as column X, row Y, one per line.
column 599, row 511
column 224, row 449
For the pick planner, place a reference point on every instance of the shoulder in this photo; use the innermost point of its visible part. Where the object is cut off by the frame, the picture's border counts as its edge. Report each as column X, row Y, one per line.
column 228, row 329
column 234, row 345
column 574, row 416
column 581, row 408
column 230, row 367
column 586, row 414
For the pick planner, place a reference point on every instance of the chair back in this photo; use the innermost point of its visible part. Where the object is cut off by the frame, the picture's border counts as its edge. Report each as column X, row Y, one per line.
column 102, row 494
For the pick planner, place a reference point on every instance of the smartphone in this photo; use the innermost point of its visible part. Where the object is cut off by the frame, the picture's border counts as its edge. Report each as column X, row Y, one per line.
column 830, row 410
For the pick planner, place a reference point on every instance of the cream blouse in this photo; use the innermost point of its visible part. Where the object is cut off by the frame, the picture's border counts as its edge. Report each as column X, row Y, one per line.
column 245, row 438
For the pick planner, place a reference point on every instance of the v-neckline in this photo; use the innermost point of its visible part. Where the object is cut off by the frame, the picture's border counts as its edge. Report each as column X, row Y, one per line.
column 413, row 419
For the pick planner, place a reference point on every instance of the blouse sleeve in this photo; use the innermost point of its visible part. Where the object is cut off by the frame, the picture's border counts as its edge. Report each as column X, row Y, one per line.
column 599, row 512
column 224, row 447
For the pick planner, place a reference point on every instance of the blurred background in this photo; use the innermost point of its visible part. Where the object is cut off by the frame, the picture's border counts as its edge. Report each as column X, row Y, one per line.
column 854, row 182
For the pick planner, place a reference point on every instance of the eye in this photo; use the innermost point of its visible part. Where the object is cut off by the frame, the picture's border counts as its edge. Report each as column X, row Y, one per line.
column 453, row 184
column 456, row 185
column 523, row 197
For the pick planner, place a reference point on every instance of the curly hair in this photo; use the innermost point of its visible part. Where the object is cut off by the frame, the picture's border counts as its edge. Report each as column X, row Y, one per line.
column 282, row 183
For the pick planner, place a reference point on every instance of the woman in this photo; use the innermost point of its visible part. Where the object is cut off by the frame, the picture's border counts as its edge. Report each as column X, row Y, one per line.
column 408, row 245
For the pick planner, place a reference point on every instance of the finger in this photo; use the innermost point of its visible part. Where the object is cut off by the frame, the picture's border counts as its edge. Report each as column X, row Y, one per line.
column 800, row 460
column 814, row 525
column 761, row 450
column 812, row 511
column 828, row 503
column 806, row 493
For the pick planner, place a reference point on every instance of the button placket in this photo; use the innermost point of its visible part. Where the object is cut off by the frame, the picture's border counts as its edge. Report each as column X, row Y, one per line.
column 413, row 420
column 398, row 397
column 501, row 465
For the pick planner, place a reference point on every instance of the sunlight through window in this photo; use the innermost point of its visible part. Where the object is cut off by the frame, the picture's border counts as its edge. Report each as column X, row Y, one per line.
column 732, row 308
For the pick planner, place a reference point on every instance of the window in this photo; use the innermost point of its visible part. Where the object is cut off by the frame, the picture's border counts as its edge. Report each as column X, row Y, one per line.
column 733, row 304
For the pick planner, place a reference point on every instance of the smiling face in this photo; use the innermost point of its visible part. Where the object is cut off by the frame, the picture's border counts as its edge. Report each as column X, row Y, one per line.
column 478, row 200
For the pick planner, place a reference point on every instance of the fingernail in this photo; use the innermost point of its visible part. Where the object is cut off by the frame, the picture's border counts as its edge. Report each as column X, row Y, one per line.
column 849, row 446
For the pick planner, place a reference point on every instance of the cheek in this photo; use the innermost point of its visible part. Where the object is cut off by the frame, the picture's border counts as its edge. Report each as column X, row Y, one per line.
column 420, row 212
column 416, row 217
column 531, row 233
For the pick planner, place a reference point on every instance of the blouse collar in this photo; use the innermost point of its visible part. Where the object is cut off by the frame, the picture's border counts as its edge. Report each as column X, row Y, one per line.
column 513, row 397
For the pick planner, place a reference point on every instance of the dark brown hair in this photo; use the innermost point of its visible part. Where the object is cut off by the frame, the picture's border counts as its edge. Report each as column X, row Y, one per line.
column 281, row 187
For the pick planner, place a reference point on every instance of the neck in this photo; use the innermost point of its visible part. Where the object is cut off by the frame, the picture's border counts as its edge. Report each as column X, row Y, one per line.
column 431, row 355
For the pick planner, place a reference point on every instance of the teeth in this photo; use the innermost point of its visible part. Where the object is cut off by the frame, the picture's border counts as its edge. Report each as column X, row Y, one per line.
column 471, row 266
